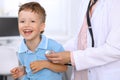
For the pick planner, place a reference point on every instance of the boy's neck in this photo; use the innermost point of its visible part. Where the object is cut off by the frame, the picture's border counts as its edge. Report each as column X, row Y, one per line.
column 33, row 44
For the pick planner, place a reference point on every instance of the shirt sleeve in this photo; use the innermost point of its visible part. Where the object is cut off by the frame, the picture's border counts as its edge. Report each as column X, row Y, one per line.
column 55, row 46
column 59, row 48
column 72, row 60
column 20, row 59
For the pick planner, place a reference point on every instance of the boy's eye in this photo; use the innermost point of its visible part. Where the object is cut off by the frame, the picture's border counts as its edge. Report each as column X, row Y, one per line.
column 33, row 21
column 22, row 21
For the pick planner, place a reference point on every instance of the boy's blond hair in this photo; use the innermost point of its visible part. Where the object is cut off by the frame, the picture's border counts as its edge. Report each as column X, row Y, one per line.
column 34, row 7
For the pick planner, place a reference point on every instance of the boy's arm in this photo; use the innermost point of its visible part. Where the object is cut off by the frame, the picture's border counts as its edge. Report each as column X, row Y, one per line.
column 42, row 64
column 56, row 67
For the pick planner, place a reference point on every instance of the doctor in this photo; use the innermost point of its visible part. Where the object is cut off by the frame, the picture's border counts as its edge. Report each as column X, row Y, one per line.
column 99, row 59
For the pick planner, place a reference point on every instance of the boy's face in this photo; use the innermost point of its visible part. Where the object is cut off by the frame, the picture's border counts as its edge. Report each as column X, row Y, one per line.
column 29, row 25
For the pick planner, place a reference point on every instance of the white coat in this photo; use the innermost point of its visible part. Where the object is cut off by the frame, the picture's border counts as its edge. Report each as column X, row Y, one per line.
column 102, row 61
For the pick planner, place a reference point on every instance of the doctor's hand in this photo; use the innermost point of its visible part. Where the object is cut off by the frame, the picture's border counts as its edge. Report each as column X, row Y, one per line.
column 59, row 58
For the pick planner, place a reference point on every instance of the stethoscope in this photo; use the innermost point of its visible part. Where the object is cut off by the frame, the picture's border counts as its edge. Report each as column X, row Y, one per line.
column 89, row 22
column 89, row 27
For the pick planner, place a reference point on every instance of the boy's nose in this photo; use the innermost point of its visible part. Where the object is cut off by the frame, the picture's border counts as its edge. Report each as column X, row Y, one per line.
column 27, row 24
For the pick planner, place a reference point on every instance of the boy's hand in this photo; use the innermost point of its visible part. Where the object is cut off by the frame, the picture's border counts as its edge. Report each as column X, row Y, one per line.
column 38, row 65
column 17, row 72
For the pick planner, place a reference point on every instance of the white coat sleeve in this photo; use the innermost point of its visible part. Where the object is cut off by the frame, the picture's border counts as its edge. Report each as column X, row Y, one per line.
column 107, row 53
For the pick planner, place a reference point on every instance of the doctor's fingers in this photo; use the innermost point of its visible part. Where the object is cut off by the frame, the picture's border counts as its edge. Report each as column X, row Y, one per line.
column 55, row 60
column 53, row 55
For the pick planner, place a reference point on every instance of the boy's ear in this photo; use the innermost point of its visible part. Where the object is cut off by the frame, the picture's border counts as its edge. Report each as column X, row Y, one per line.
column 42, row 27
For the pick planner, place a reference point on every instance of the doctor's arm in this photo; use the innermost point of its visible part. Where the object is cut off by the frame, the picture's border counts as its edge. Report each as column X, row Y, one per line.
column 108, row 52
column 93, row 57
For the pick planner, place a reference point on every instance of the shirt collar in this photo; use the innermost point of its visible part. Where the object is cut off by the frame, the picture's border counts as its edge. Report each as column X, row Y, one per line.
column 42, row 45
column 44, row 42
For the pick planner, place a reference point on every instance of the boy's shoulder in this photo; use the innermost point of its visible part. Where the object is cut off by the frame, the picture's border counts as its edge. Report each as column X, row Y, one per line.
column 53, row 41
column 54, row 45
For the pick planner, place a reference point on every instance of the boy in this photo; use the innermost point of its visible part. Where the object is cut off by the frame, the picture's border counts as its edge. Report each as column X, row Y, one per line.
column 35, row 66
